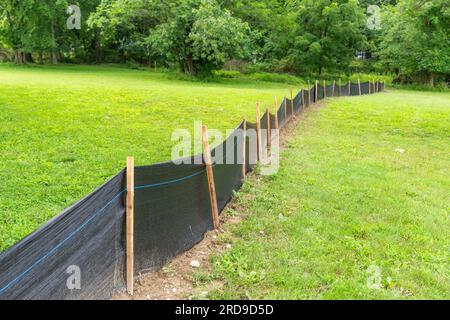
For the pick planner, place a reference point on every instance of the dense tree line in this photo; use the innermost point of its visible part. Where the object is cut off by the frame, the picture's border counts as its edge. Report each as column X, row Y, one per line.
column 197, row 36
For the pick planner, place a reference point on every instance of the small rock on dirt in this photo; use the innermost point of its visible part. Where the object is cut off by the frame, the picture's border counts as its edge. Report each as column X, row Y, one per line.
column 195, row 264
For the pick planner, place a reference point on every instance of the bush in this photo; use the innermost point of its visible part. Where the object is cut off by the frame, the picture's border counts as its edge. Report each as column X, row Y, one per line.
column 227, row 73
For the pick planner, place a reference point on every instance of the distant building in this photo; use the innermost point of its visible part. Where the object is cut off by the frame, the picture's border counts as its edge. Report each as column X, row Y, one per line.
column 361, row 55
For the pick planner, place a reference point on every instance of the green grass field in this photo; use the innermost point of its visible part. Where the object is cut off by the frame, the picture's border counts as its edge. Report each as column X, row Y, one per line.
column 345, row 198
column 65, row 130
column 346, row 201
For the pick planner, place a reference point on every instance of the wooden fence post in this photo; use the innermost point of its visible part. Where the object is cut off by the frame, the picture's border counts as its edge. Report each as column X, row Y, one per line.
column 244, row 150
column 333, row 88
column 258, row 131
column 339, row 88
column 276, row 114
column 359, row 86
column 130, row 225
column 324, row 89
column 269, row 136
column 316, row 90
column 210, row 174
column 349, row 88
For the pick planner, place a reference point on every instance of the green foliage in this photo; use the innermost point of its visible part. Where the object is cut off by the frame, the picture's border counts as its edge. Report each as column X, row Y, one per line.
column 197, row 36
column 307, row 37
column 327, row 35
column 416, row 39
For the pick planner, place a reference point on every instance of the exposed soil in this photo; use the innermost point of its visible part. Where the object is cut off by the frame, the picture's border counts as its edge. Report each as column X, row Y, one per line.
column 175, row 281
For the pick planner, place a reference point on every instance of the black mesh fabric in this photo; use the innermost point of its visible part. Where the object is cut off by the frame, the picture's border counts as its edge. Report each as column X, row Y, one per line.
column 330, row 90
column 344, row 90
column 264, row 126
column 298, row 102
column 282, row 115
column 172, row 211
column 228, row 174
column 289, row 109
column 88, row 235
column 365, row 88
column 251, row 153
column 320, row 93
column 354, row 91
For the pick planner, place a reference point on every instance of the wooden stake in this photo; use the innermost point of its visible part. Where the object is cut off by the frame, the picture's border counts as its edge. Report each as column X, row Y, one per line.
column 359, row 87
column 349, row 88
column 244, row 150
column 333, row 88
column 324, row 89
column 210, row 174
column 258, row 131
column 276, row 114
column 317, row 90
column 339, row 88
column 269, row 140
column 130, row 225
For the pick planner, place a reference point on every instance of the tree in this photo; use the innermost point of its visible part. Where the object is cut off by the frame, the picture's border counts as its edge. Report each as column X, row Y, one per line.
column 415, row 40
column 199, row 36
column 328, row 34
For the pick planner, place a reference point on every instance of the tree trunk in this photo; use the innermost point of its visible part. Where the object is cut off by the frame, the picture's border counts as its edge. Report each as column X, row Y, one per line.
column 54, row 52
column 18, row 57
column 40, row 57
column 98, row 48
column 190, row 64
column 431, row 79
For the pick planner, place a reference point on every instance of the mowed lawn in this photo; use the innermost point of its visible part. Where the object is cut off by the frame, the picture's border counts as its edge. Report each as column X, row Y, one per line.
column 65, row 130
column 362, row 198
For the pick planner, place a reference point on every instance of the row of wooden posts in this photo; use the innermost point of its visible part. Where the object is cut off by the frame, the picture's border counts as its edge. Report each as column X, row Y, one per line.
column 209, row 169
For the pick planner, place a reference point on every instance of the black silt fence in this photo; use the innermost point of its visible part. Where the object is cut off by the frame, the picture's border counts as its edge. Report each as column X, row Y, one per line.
column 320, row 93
column 172, row 214
column 365, row 88
column 282, row 115
column 264, row 127
column 89, row 235
column 331, row 92
column 172, row 211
